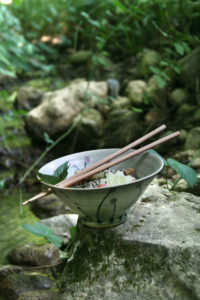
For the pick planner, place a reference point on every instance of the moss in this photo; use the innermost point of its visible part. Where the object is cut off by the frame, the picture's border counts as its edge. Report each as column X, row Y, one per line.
column 46, row 84
column 12, row 130
column 11, row 221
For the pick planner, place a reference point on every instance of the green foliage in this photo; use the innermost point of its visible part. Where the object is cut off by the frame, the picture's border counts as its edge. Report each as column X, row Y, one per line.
column 16, row 53
column 73, row 234
column 114, row 26
column 137, row 109
column 59, row 174
column 2, row 184
column 47, row 138
column 185, row 171
column 110, row 28
column 40, row 229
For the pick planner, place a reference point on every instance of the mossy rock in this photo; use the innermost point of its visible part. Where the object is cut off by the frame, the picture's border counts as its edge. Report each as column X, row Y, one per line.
column 196, row 115
column 15, row 285
column 81, row 56
column 153, row 255
column 156, row 95
column 121, row 128
column 34, row 255
column 120, row 103
column 39, row 295
column 190, row 71
column 193, row 139
column 185, row 109
column 178, row 96
column 135, row 91
column 46, row 84
column 89, row 129
column 147, row 59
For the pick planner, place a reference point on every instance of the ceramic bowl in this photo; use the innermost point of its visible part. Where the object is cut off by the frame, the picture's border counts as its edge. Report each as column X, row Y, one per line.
column 106, row 206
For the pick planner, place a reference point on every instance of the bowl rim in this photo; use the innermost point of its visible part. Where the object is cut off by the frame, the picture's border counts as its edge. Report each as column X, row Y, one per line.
column 107, row 187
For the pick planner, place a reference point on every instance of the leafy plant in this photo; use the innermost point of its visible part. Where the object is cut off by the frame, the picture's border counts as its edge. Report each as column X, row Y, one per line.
column 16, row 53
column 40, row 229
column 185, row 171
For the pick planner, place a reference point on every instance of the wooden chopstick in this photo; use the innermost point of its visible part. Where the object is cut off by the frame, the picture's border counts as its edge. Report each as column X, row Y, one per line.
column 113, row 155
column 79, row 178
column 97, row 164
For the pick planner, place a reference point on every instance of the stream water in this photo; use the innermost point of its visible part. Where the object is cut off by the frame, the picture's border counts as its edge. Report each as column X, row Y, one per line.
column 12, row 217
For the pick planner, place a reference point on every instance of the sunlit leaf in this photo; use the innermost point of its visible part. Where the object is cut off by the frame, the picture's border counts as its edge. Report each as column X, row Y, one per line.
column 2, row 183
column 40, row 229
column 54, row 239
column 120, row 7
column 145, row 98
column 30, row 228
column 47, row 138
column 17, row 2
column 161, row 82
column 179, row 48
column 137, row 109
column 155, row 70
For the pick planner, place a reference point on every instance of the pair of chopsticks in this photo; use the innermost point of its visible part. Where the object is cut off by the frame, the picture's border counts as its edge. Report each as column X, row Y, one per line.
column 107, row 162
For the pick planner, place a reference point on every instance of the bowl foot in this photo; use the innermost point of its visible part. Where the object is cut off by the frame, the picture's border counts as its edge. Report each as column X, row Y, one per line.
column 106, row 224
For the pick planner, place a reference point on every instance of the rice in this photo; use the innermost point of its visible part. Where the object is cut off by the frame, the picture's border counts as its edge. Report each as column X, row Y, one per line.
column 109, row 178
column 116, row 178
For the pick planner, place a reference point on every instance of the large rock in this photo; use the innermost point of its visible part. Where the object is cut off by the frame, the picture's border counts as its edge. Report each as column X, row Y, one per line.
column 28, row 97
column 182, row 186
column 122, row 127
column 7, row 270
column 61, row 225
column 14, row 286
column 154, row 255
column 121, row 103
column 156, row 95
column 34, row 255
column 59, row 108
column 154, row 117
column 149, row 58
column 39, row 295
column 48, row 206
column 190, row 71
column 81, row 56
column 178, row 96
column 89, row 128
column 135, row 91
column 193, row 139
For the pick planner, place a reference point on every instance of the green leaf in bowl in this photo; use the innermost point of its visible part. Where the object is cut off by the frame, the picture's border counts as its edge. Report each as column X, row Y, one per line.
column 59, row 174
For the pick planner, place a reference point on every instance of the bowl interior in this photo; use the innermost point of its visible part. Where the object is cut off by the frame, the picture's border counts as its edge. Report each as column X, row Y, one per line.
column 145, row 165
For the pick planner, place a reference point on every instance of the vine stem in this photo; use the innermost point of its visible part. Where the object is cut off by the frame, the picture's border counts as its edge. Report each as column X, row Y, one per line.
column 4, row 138
column 49, row 148
column 40, row 158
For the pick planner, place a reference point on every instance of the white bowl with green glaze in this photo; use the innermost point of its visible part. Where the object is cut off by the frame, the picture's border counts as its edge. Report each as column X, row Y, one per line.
column 106, row 206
